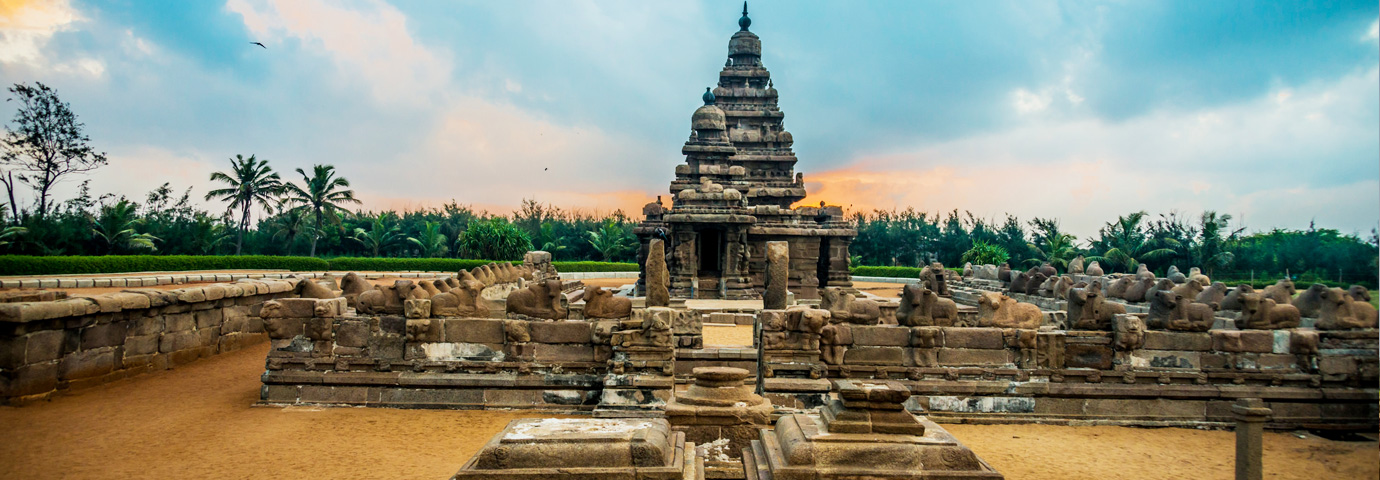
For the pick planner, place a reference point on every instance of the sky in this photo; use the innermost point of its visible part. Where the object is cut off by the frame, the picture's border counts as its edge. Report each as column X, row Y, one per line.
column 1080, row 111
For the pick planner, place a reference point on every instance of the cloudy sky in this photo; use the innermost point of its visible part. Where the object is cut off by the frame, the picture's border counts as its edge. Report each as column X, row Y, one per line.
column 1081, row 111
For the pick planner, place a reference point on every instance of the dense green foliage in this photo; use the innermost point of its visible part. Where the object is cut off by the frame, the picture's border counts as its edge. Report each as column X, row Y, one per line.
column 31, row 265
column 910, row 238
column 312, row 216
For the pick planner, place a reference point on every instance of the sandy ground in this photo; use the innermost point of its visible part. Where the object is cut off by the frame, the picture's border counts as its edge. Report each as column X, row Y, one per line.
column 197, row 422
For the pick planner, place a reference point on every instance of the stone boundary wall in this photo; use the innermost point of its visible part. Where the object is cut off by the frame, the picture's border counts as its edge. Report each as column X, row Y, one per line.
column 50, row 347
column 1310, row 378
column 150, row 279
column 321, row 354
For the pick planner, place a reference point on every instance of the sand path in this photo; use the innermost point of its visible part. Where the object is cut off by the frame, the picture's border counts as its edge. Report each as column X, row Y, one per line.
column 198, row 421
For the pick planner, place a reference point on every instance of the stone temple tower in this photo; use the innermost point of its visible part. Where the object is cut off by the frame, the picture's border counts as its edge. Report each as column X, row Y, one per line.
column 735, row 192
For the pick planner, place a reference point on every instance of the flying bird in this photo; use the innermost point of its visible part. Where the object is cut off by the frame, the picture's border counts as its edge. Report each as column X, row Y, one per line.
column 257, row 43
column 545, row 169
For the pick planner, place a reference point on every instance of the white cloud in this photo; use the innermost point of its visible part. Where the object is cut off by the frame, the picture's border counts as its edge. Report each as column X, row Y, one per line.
column 1026, row 101
column 372, row 43
column 1373, row 33
column 1267, row 161
column 26, row 27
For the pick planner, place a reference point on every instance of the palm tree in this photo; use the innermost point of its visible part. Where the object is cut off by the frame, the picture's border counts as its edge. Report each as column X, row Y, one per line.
column 207, row 233
column 290, row 225
column 547, row 239
column 430, row 241
column 380, row 234
column 322, row 194
column 1213, row 250
column 251, row 182
column 11, row 232
column 1058, row 249
column 1127, row 245
column 610, row 240
column 116, row 228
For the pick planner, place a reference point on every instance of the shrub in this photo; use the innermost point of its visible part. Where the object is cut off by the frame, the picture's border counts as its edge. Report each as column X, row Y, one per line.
column 31, row 265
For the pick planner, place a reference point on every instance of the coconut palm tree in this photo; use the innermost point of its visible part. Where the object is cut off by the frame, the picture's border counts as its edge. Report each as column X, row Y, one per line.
column 610, row 240
column 380, row 234
column 1213, row 250
column 430, row 241
column 1057, row 249
column 1127, row 245
column 290, row 225
column 322, row 194
column 116, row 228
column 11, row 232
column 252, row 182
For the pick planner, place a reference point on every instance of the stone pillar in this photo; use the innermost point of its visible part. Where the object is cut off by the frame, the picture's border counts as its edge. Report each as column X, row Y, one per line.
column 1251, row 415
column 778, row 273
column 658, row 279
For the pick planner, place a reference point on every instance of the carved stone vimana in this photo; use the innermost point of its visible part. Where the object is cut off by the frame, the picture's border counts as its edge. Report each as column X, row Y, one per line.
column 734, row 194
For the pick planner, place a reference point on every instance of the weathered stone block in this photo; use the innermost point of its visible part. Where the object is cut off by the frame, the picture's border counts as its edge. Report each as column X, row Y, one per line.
column 972, row 356
column 352, row 333
column 341, row 395
column 1166, row 359
column 146, row 325
column 86, row 364
column 1082, row 355
column 875, row 355
column 208, row 318
column 473, row 330
column 966, row 337
column 12, row 351
column 175, row 341
column 282, row 328
column 569, row 331
column 44, row 346
column 1337, row 365
column 141, row 345
column 557, row 353
column 179, row 322
column 104, row 335
column 1188, row 341
column 881, row 336
column 290, row 308
column 33, row 379
column 1243, row 341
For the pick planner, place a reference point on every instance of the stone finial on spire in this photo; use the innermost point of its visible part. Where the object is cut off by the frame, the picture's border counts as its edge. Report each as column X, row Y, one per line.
column 744, row 22
column 708, row 96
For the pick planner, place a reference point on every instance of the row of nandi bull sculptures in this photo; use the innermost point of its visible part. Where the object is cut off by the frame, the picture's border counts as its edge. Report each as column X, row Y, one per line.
column 530, row 292
column 1185, row 302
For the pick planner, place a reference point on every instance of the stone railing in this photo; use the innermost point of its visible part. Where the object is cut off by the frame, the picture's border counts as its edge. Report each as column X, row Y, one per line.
column 51, row 346
column 1308, row 377
column 322, row 354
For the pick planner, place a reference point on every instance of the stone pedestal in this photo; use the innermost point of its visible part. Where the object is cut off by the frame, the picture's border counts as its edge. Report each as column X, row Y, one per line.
column 721, row 415
column 864, row 433
column 1251, row 415
column 588, row 449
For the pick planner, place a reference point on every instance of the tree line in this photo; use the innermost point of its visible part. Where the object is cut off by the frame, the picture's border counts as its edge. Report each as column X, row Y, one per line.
column 910, row 238
column 315, row 213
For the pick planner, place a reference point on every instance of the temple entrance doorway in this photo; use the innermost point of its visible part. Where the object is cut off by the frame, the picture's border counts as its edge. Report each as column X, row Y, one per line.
column 710, row 269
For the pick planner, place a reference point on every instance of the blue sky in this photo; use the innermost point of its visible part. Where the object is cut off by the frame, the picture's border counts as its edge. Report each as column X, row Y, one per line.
column 1076, row 110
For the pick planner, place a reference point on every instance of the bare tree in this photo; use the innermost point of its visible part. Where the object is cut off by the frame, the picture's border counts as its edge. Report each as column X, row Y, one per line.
column 44, row 145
